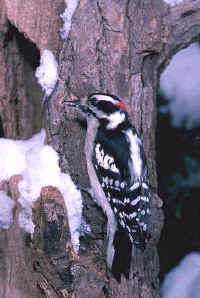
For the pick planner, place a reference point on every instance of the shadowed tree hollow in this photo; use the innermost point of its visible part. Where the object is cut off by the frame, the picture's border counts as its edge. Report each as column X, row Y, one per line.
column 120, row 48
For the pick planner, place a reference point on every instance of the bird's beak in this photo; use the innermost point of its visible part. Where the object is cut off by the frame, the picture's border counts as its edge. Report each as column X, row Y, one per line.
column 77, row 104
column 73, row 103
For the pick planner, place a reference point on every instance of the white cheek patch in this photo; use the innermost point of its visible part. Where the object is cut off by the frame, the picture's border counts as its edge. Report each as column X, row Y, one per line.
column 115, row 119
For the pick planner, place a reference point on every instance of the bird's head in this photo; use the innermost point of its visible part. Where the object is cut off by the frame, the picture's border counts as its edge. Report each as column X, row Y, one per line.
column 108, row 109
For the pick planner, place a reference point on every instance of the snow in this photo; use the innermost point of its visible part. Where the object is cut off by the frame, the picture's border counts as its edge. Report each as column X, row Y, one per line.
column 173, row 2
column 25, row 219
column 42, row 169
column 73, row 202
column 6, row 211
column 10, row 165
column 179, row 84
column 47, row 72
column 183, row 280
column 13, row 154
column 67, row 15
column 39, row 165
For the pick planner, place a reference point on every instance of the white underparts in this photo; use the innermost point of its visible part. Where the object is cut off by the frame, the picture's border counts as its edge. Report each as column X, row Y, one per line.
column 97, row 190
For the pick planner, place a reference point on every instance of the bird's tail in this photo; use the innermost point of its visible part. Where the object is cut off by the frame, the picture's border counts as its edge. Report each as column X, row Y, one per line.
column 123, row 254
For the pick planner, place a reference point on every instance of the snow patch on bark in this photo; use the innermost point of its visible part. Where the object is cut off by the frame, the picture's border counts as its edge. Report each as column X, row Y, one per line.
column 67, row 15
column 47, row 72
column 179, row 85
column 183, row 280
column 39, row 166
column 173, row 2
column 6, row 211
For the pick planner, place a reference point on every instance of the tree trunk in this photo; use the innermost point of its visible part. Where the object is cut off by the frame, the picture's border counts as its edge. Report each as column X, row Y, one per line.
column 119, row 48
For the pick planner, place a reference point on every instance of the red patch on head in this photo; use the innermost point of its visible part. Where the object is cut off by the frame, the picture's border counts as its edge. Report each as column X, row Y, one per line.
column 121, row 105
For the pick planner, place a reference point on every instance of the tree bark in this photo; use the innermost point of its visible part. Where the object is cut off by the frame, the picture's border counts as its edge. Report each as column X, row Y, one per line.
column 119, row 48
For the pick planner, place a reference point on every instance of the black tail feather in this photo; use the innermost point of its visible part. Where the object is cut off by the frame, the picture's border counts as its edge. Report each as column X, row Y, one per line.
column 123, row 254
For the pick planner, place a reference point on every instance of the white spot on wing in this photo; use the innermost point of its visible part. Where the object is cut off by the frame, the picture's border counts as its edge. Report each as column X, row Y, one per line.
column 144, row 227
column 105, row 160
column 135, row 186
column 134, row 202
column 128, row 229
column 105, row 180
column 122, row 223
column 145, row 185
column 116, row 201
column 132, row 215
column 117, row 183
column 131, row 238
column 122, row 184
column 126, row 200
column 145, row 199
column 114, row 168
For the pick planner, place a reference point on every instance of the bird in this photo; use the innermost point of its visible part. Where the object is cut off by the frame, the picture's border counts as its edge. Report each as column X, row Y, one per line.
column 118, row 175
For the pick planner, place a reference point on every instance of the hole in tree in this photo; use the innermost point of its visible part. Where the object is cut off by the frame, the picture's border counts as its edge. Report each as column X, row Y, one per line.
column 27, row 49
column 23, row 57
column 1, row 129
column 178, row 157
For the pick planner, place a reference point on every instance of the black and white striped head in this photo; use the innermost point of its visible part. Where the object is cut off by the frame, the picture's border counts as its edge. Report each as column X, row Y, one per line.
column 108, row 109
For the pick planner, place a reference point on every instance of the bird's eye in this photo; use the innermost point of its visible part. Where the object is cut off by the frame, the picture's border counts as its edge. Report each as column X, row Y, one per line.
column 93, row 101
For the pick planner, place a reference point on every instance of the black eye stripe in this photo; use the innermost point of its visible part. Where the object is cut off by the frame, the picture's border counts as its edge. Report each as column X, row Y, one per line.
column 93, row 101
column 107, row 107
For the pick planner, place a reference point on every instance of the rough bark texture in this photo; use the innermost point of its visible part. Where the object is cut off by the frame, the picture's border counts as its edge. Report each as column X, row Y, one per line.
column 27, row 28
column 39, row 20
column 20, row 104
column 17, row 277
column 120, row 48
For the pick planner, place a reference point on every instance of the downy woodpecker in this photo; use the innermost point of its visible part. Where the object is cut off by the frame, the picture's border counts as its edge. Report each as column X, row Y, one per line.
column 118, row 176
